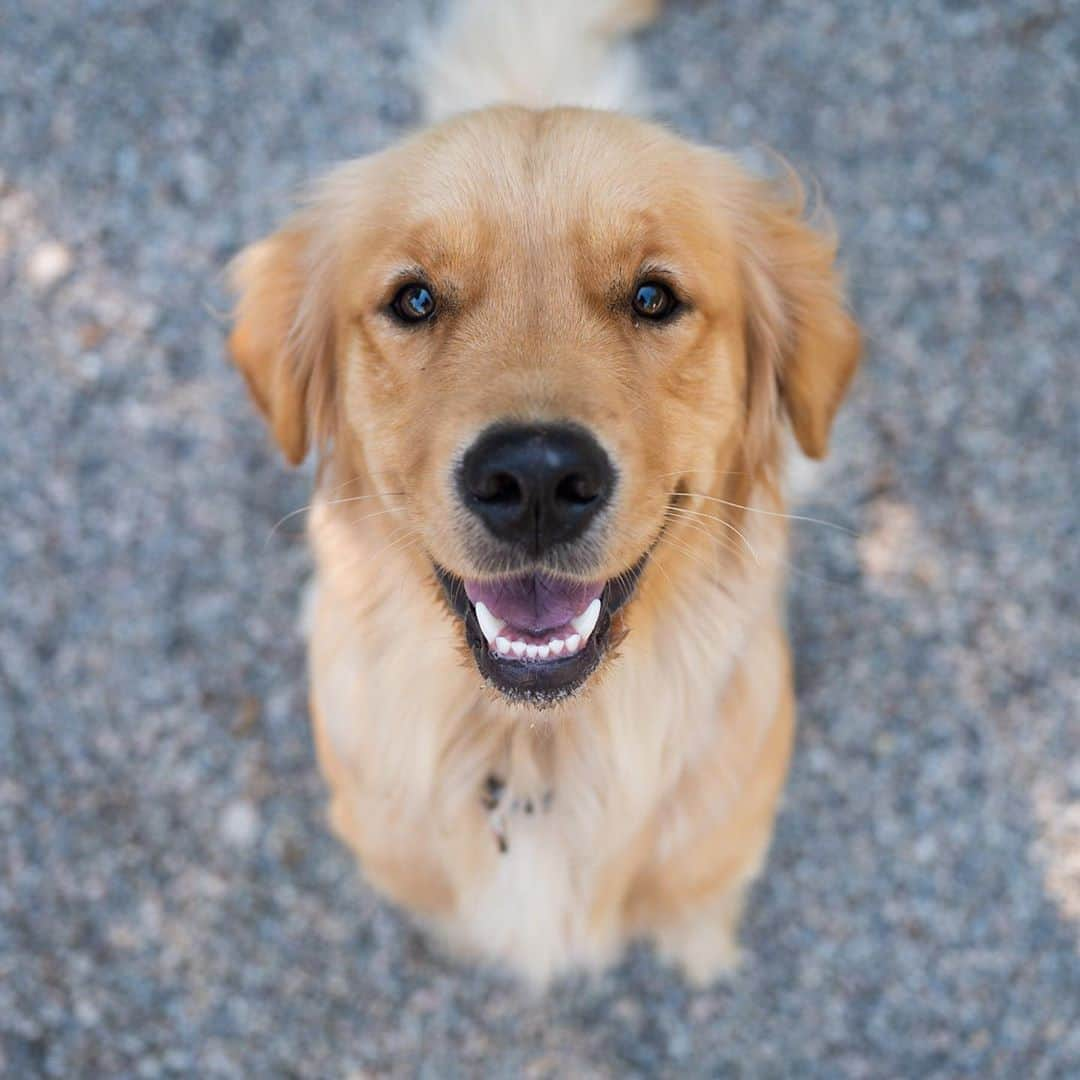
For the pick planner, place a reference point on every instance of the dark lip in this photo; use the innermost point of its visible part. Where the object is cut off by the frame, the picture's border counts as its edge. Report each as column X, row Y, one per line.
column 542, row 683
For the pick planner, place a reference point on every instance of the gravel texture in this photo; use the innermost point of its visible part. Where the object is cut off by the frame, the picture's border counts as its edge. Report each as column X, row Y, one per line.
column 171, row 902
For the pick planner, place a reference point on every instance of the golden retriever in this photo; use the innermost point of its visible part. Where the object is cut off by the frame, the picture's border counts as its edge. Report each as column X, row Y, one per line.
column 550, row 359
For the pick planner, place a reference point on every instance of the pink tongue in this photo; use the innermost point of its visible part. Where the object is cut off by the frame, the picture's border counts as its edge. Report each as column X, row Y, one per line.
column 534, row 602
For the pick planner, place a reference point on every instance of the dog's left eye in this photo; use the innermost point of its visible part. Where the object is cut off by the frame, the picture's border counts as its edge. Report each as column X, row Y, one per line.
column 654, row 300
column 414, row 303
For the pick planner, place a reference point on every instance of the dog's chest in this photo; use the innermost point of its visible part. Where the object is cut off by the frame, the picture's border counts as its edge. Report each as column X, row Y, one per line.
column 532, row 904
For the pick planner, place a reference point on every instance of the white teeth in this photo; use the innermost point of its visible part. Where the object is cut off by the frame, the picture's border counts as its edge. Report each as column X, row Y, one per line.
column 585, row 623
column 488, row 623
column 524, row 651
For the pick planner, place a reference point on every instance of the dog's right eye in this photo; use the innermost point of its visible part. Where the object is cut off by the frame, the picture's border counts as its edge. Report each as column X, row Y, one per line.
column 414, row 303
column 654, row 301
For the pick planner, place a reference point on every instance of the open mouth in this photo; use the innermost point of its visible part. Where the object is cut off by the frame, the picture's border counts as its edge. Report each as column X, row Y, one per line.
column 535, row 637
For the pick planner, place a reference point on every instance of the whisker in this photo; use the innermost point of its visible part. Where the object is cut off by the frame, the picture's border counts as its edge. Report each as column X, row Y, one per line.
column 346, row 483
column 787, row 564
column 361, row 498
column 720, row 521
column 667, row 577
column 375, row 514
column 678, row 545
column 770, row 513
column 689, row 552
column 723, row 546
column 724, row 541
column 406, row 532
column 329, row 502
column 682, row 472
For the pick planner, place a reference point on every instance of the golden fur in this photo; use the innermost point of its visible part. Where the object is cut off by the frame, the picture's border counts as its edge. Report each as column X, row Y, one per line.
column 642, row 806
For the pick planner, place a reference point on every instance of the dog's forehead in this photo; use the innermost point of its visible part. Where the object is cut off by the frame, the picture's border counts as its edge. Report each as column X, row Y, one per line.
column 511, row 183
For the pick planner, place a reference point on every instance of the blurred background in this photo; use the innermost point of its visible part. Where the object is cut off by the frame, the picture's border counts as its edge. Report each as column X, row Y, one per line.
column 170, row 900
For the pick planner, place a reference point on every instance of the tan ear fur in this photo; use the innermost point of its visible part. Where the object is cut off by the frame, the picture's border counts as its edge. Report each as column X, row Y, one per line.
column 798, row 328
column 283, row 336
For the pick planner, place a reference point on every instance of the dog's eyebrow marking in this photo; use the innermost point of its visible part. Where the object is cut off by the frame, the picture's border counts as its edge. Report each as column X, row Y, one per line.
column 660, row 268
column 407, row 272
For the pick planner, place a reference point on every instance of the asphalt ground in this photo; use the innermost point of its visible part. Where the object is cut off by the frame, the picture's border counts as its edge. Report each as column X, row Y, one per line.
column 171, row 902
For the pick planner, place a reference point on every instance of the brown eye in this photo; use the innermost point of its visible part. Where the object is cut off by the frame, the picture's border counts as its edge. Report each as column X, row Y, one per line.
column 414, row 303
column 654, row 300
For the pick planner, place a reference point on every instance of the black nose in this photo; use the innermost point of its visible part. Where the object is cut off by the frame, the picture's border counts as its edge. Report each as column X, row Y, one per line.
column 537, row 485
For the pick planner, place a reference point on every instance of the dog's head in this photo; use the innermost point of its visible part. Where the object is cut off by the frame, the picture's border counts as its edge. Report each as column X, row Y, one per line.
column 548, row 330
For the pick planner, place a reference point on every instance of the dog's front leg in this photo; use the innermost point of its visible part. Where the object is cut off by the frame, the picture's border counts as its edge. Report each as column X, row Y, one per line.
column 689, row 902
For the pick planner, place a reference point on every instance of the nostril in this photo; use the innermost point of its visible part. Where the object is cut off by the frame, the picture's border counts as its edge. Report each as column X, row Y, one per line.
column 577, row 489
column 536, row 486
column 501, row 488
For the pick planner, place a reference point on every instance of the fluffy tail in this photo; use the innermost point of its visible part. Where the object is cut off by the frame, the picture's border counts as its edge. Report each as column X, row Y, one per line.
column 532, row 52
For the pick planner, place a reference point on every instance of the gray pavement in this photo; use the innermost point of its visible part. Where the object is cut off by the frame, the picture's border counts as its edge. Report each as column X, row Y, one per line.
column 170, row 901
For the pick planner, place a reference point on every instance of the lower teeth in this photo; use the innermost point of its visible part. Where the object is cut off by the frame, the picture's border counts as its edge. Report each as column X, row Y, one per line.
column 521, row 650
column 583, row 624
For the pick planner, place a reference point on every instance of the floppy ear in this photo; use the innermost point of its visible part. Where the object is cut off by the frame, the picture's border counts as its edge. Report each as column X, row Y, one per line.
column 283, row 335
column 798, row 329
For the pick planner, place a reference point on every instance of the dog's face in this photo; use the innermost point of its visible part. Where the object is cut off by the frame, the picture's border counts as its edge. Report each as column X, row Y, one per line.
column 547, row 330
